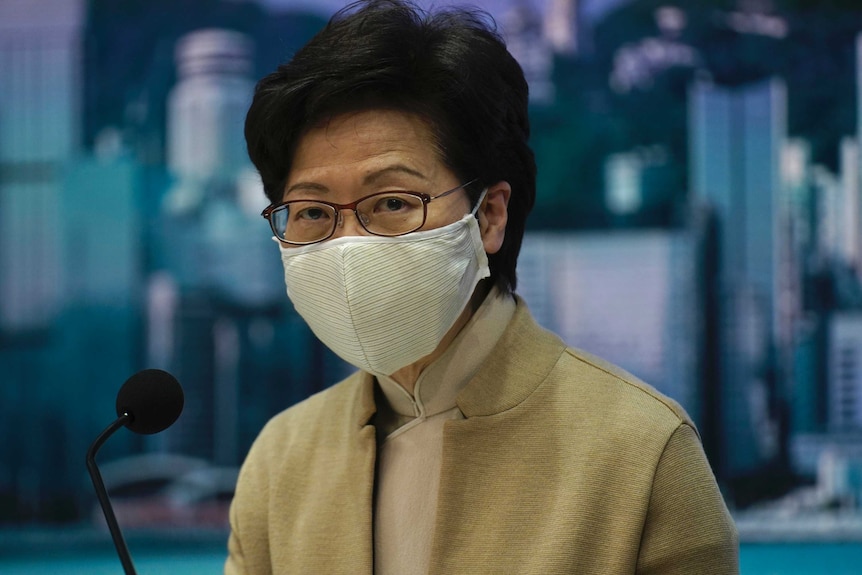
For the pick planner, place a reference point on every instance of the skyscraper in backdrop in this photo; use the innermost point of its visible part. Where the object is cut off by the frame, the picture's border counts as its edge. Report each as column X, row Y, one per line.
column 736, row 140
column 211, row 246
column 40, row 109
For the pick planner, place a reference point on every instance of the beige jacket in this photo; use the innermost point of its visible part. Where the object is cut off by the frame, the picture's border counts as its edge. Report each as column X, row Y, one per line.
column 564, row 464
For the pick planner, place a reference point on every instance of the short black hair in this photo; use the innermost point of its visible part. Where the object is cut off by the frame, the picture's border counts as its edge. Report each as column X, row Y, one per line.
column 449, row 67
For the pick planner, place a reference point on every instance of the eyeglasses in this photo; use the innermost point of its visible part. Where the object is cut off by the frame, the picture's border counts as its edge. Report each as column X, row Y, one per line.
column 303, row 222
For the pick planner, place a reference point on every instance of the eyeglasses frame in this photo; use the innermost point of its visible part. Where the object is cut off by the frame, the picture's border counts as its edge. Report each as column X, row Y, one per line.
column 425, row 198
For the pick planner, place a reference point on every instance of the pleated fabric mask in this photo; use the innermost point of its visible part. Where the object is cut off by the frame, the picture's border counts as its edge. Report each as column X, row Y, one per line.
column 383, row 303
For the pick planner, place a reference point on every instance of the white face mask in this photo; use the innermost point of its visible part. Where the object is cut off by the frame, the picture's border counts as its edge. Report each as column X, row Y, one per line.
column 383, row 303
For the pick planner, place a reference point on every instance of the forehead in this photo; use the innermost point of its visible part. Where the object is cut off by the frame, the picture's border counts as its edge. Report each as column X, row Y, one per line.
column 356, row 144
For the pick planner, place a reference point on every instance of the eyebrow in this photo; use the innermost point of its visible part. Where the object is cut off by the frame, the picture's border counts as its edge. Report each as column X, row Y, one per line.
column 369, row 179
column 373, row 177
column 308, row 186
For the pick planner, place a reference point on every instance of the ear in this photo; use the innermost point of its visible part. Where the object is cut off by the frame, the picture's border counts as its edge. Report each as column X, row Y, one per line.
column 493, row 215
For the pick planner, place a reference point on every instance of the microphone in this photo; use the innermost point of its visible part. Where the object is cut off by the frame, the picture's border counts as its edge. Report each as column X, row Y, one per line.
column 149, row 402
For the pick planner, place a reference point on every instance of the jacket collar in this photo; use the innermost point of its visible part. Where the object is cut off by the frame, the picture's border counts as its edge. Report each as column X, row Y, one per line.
column 522, row 359
column 525, row 349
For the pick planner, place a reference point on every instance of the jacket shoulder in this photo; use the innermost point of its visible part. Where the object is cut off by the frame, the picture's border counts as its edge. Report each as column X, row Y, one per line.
column 326, row 412
column 613, row 387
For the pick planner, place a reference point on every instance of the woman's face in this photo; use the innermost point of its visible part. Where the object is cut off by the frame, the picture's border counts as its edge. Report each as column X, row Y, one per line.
column 359, row 153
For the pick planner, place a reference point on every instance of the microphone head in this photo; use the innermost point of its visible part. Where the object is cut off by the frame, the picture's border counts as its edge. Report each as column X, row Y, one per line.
column 153, row 399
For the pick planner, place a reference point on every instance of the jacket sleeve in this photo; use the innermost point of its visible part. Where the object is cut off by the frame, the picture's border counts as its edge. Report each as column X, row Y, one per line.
column 235, row 564
column 248, row 549
column 688, row 528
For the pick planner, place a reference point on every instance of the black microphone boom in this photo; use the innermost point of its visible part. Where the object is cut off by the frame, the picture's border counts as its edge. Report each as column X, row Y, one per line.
column 102, row 495
column 149, row 402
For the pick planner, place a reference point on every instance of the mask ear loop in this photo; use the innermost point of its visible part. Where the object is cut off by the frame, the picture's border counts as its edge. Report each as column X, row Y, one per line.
column 475, row 209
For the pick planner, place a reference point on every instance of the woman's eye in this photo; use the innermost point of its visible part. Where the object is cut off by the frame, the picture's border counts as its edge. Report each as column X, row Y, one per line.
column 312, row 213
column 393, row 204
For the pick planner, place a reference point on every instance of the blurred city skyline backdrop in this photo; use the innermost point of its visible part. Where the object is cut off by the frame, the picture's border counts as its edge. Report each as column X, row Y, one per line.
column 698, row 222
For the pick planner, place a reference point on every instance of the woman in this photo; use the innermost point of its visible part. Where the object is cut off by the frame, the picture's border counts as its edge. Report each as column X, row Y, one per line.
column 393, row 148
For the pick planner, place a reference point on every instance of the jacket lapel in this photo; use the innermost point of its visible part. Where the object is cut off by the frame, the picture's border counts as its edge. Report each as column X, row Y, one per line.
column 519, row 363
column 332, row 530
column 481, row 454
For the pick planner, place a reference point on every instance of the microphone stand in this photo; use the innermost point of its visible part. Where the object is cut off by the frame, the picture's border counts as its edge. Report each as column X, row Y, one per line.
column 102, row 493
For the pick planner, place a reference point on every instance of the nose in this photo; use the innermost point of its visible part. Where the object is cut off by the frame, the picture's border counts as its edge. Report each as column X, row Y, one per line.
column 349, row 225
